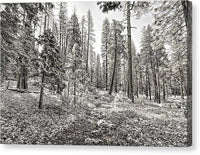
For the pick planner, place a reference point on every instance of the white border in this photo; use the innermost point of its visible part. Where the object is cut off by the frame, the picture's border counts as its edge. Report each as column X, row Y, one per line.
column 97, row 150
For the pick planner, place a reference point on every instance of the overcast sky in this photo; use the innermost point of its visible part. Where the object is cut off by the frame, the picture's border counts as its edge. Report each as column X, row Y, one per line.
column 98, row 17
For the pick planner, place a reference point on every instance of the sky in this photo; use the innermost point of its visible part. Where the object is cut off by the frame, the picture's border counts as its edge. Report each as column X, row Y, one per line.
column 98, row 17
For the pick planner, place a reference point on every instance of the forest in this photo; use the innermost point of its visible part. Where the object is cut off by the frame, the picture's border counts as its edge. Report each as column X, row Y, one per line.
column 57, row 89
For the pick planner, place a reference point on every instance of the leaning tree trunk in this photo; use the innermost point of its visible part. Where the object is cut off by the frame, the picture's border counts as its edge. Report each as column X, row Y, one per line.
column 129, row 52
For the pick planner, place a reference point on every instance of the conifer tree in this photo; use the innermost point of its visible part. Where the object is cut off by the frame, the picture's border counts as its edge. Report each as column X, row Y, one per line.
column 90, row 37
column 104, row 48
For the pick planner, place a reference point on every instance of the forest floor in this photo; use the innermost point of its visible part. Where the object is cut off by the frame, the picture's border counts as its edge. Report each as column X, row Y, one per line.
column 101, row 120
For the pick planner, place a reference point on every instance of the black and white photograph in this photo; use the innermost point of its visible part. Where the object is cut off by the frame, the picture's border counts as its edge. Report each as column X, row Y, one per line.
column 105, row 73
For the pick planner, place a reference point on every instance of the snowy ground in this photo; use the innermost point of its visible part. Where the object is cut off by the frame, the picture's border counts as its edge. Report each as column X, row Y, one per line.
column 101, row 120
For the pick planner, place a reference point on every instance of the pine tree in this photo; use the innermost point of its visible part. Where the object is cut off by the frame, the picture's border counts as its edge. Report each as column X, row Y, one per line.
column 176, row 25
column 139, row 8
column 116, row 47
column 104, row 48
column 50, row 65
column 90, row 37
column 63, row 30
column 92, row 64
column 26, row 17
column 10, row 23
column 74, row 34
column 98, row 72
column 160, row 57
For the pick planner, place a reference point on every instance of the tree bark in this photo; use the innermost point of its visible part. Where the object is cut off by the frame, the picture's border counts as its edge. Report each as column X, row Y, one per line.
column 129, row 51
column 22, row 83
column 88, row 44
column 22, row 79
column 136, row 74
column 158, row 79
column 75, row 91
column 115, row 63
column 41, row 91
column 154, row 78
column 181, row 82
column 140, row 83
column 43, row 72
column 187, row 10
column 164, row 88
column 147, row 83
column 106, row 69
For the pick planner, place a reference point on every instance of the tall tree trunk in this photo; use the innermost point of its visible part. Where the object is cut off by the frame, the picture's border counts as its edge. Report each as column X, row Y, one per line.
column 154, row 78
column 82, row 29
column 149, row 85
column 187, row 10
column 136, row 81
column 128, row 89
column 158, row 79
column 116, row 77
column 43, row 72
column 22, row 83
column 158, row 89
column 146, row 84
column 88, row 45
column 75, row 91
column 141, row 82
column 106, row 69
column 181, row 83
column 155, row 85
column 115, row 64
column 167, row 90
column 68, row 89
column 61, row 22
column 22, row 78
column 91, row 77
column 41, row 91
column 170, row 82
column 129, row 51
column 164, row 88
column 97, row 84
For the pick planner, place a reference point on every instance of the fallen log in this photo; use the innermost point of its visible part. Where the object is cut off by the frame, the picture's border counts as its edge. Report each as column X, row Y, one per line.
column 23, row 91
